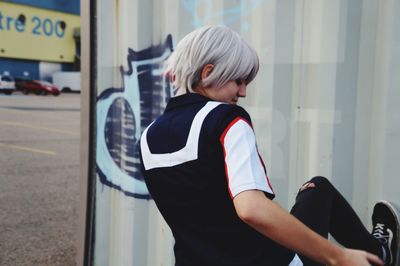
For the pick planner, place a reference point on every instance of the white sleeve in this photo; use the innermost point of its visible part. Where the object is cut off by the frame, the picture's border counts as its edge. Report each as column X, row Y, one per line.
column 243, row 165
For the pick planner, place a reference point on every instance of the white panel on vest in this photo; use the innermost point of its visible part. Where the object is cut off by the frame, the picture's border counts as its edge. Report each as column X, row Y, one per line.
column 187, row 153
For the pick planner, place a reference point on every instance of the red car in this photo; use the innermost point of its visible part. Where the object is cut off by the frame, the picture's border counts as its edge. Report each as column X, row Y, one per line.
column 38, row 87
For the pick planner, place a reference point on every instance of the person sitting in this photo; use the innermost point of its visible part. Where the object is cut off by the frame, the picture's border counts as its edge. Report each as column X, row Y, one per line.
column 202, row 168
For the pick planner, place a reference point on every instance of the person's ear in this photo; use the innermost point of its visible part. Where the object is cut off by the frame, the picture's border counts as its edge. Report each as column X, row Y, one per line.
column 207, row 69
column 169, row 76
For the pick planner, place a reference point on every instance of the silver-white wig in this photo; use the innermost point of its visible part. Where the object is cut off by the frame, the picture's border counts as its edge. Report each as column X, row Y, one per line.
column 232, row 57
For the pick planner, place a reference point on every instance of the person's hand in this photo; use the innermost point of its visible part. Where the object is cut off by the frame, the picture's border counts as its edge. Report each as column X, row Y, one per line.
column 353, row 257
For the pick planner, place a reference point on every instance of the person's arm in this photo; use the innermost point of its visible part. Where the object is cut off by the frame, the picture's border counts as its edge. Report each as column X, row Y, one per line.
column 268, row 218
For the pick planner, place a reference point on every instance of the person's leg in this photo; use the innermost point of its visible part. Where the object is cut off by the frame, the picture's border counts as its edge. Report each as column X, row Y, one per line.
column 325, row 210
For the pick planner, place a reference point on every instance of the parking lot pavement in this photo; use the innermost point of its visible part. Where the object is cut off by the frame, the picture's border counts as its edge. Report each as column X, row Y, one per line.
column 39, row 177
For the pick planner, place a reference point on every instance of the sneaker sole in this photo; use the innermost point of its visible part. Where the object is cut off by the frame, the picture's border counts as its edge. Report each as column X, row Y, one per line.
column 396, row 214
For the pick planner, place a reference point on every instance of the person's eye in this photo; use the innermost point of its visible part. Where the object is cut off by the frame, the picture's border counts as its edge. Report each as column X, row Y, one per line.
column 239, row 81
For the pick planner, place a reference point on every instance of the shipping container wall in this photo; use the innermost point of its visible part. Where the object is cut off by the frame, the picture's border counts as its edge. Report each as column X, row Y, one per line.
column 325, row 102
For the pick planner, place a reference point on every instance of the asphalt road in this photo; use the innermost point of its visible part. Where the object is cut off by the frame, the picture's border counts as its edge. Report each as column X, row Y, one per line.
column 39, row 179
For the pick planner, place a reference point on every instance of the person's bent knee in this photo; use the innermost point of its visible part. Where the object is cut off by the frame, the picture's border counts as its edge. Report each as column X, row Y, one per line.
column 319, row 180
column 322, row 182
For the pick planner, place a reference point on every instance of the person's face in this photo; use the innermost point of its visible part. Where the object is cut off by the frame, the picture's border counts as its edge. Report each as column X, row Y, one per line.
column 228, row 93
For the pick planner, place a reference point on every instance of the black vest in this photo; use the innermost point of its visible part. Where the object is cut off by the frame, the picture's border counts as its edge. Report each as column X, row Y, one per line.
column 188, row 182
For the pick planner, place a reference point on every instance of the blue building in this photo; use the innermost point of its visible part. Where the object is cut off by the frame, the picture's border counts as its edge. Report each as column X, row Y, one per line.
column 38, row 38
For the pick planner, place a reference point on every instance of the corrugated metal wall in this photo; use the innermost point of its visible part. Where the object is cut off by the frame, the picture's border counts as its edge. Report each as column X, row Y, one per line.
column 325, row 102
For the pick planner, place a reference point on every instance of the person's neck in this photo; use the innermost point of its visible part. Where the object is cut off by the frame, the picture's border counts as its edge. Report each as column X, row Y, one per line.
column 201, row 91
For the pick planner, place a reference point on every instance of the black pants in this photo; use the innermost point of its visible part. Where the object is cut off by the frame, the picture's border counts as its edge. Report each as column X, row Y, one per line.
column 323, row 209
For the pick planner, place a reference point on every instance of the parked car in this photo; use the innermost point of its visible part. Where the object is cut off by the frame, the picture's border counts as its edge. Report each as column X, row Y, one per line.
column 7, row 84
column 39, row 87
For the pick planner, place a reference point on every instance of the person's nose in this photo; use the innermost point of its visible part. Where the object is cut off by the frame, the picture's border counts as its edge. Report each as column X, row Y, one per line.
column 242, row 91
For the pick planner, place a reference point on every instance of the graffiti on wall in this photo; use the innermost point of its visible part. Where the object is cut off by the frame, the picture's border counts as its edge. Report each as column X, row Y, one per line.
column 205, row 11
column 123, row 113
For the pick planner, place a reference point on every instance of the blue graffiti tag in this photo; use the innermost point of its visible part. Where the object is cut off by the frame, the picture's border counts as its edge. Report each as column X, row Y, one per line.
column 123, row 113
column 237, row 13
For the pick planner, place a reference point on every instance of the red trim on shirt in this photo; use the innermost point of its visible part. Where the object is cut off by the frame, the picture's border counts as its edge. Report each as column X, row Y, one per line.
column 265, row 170
column 222, row 140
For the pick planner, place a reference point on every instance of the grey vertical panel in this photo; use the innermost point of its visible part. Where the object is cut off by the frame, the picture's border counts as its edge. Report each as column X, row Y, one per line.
column 391, row 173
column 345, row 101
column 186, row 13
column 282, row 97
column 366, row 78
column 144, row 24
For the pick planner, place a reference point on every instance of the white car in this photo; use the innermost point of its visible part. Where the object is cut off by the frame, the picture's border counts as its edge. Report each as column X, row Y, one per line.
column 7, row 84
column 67, row 81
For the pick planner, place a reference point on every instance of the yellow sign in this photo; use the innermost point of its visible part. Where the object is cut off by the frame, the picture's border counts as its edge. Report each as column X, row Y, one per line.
column 38, row 34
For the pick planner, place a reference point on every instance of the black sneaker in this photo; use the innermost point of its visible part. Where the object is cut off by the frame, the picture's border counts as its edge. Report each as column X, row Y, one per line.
column 385, row 221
